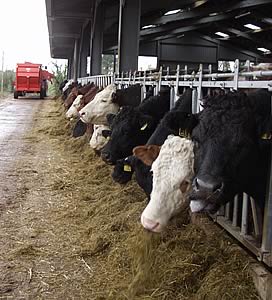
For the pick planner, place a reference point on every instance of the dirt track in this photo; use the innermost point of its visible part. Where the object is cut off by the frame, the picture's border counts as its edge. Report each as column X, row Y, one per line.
column 68, row 232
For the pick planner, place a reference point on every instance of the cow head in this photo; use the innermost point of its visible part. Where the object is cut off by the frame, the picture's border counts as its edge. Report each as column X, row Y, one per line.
column 95, row 112
column 227, row 150
column 172, row 175
column 98, row 141
column 72, row 112
column 129, row 128
column 123, row 170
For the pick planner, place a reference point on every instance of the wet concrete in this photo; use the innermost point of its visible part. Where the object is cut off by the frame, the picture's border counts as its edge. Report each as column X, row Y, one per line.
column 16, row 117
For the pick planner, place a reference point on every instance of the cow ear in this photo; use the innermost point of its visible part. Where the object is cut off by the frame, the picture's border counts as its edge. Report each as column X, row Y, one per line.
column 145, row 122
column 106, row 133
column 110, row 118
column 181, row 122
column 147, row 154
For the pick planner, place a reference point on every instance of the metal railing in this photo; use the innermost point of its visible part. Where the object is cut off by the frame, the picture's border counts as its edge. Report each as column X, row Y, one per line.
column 240, row 217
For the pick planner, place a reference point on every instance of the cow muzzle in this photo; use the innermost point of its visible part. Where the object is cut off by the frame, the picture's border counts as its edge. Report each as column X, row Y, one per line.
column 106, row 157
column 205, row 195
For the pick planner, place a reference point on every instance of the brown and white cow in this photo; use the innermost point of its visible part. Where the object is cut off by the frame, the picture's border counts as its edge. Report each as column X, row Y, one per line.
column 172, row 176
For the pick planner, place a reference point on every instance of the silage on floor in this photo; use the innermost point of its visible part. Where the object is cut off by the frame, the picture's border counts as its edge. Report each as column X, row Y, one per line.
column 100, row 223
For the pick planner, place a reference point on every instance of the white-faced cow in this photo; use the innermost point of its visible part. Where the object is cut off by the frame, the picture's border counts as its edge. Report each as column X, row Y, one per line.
column 98, row 141
column 109, row 101
column 172, row 175
column 72, row 112
column 124, row 168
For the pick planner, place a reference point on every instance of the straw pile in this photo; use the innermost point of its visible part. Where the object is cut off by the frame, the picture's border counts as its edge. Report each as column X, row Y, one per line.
column 97, row 224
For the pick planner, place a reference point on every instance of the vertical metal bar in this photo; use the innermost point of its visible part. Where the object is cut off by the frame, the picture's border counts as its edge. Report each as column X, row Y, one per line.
column 244, row 223
column 235, row 212
column 144, row 86
column 210, row 72
column 177, row 84
column 227, row 211
column 160, row 79
column 129, row 77
column 199, row 88
column 185, row 73
column 194, row 101
column 267, row 222
column 256, row 222
column 172, row 97
column 134, row 76
column 236, row 74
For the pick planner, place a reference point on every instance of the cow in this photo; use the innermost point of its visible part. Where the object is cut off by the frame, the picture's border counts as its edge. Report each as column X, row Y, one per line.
column 72, row 112
column 98, row 141
column 109, row 101
column 187, row 121
column 78, row 90
column 231, row 138
column 126, row 167
column 172, row 167
column 133, row 126
column 80, row 102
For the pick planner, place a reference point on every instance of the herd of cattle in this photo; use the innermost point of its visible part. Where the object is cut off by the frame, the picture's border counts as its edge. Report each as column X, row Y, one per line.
column 179, row 159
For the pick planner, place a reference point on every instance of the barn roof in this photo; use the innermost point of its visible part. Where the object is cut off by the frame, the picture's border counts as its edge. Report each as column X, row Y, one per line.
column 205, row 18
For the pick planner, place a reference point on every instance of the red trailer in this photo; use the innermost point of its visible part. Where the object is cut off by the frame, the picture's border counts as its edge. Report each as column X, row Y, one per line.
column 30, row 78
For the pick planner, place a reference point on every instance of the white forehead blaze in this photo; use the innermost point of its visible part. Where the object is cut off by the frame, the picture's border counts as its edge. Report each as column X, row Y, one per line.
column 95, row 112
column 173, row 166
column 98, row 141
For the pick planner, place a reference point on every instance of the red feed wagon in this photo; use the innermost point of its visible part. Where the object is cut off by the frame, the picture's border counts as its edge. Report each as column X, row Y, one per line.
column 30, row 78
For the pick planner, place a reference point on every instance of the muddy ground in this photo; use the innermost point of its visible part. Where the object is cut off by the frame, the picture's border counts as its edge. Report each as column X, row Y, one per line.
column 67, row 231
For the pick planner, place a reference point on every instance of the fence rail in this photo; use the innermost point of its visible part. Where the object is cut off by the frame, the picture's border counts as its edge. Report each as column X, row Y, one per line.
column 241, row 217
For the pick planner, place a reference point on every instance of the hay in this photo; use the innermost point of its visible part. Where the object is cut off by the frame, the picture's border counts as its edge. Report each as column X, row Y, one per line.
column 92, row 231
column 182, row 263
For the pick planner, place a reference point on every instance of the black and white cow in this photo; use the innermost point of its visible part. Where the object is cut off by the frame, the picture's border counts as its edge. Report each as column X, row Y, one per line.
column 231, row 149
column 133, row 126
column 124, row 168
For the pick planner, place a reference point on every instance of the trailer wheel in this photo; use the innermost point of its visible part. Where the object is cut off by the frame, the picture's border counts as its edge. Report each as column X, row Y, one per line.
column 15, row 95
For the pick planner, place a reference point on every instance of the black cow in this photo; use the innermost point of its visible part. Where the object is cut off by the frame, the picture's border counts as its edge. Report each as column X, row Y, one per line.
column 231, row 155
column 130, row 96
column 133, row 126
column 122, row 174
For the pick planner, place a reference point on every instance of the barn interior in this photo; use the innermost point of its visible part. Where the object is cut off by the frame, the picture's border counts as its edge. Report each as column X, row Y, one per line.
column 182, row 32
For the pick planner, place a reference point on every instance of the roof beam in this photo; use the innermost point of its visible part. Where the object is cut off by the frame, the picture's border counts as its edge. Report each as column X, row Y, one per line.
column 205, row 11
column 203, row 20
column 247, row 36
column 228, row 45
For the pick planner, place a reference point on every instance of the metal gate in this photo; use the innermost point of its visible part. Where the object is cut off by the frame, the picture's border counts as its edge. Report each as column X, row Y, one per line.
column 239, row 217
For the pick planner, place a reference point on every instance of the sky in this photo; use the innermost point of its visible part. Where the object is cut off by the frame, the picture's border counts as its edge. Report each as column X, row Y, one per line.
column 24, row 33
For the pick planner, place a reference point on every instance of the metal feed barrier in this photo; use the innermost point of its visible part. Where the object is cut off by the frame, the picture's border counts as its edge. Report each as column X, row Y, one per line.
column 241, row 217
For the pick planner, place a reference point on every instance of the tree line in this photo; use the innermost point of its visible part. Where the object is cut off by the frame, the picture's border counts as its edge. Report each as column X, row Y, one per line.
column 9, row 77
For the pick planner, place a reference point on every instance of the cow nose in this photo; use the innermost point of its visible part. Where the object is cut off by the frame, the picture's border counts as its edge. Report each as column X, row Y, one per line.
column 106, row 156
column 150, row 224
column 208, row 185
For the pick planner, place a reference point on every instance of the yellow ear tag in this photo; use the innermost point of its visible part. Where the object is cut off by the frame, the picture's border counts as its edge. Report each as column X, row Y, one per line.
column 266, row 136
column 184, row 133
column 127, row 168
column 108, row 138
column 144, row 127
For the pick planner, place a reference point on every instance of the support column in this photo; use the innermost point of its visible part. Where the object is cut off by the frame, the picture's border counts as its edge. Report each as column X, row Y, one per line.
column 97, row 41
column 70, row 68
column 128, row 36
column 84, row 52
column 75, row 60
